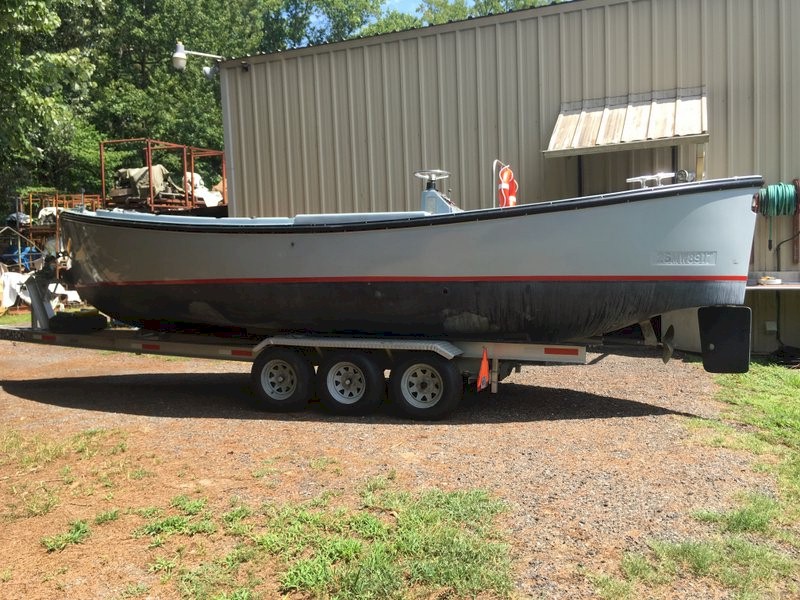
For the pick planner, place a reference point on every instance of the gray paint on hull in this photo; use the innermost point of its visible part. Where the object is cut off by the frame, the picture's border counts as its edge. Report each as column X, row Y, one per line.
column 546, row 272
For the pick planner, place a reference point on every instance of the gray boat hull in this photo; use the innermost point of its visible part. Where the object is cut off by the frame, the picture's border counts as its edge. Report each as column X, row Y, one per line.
column 545, row 272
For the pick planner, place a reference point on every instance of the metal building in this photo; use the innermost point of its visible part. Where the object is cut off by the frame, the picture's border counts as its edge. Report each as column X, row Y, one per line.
column 577, row 97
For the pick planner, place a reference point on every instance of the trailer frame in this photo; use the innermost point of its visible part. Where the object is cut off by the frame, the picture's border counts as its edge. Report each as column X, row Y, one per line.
column 439, row 363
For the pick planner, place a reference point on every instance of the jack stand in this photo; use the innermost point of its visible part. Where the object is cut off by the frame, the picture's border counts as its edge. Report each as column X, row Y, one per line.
column 41, row 311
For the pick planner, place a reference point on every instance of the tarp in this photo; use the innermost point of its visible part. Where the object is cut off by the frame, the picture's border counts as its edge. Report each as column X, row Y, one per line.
column 140, row 180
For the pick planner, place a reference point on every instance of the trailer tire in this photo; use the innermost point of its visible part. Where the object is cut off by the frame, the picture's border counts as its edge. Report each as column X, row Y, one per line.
column 350, row 383
column 425, row 386
column 282, row 380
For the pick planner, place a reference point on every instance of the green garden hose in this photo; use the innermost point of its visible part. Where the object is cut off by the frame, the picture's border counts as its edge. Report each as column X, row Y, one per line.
column 777, row 200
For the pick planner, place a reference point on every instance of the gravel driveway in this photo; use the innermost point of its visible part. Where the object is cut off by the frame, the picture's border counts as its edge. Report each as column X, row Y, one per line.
column 592, row 460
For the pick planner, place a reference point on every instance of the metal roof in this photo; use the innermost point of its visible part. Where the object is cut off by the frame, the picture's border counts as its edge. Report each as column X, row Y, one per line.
column 637, row 121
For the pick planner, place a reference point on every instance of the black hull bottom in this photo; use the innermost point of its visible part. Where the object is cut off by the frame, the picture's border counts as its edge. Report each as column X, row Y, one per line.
column 531, row 311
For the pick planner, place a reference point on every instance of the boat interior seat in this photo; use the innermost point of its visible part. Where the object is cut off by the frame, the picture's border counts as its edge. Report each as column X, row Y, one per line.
column 339, row 218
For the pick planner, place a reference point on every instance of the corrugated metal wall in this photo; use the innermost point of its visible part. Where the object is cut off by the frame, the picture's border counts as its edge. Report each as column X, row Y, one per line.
column 342, row 127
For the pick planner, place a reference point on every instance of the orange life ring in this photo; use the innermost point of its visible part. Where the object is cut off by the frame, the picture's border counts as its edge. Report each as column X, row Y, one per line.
column 507, row 189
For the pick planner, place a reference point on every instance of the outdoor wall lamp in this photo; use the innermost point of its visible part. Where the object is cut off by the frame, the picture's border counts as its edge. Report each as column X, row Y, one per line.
column 181, row 53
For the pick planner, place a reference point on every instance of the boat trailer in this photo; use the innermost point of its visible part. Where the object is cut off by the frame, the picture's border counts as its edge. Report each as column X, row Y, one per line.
column 426, row 380
column 426, row 377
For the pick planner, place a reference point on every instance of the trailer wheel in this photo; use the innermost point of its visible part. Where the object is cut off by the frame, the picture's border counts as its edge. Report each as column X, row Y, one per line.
column 282, row 379
column 426, row 386
column 350, row 384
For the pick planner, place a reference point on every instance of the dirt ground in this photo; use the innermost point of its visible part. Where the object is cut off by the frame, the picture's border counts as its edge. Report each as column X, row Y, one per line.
column 593, row 461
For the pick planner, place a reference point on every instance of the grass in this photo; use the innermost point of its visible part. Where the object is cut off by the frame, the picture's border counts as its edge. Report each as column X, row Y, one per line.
column 755, row 515
column 748, row 548
column 29, row 453
column 265, row 469
column 187, row 506
column 31, row 500
column 390, row 544
column 323, row 463
column 140, row 473
column 176, row 525
column 33, row 452
column 433, row 541
column 16, row 319
column 135, row 590
column 78, row 532
column 106, row 517
column 234, row 520
column 384, row 542
column 163, row 565
column 611, row 588
column 766, row 400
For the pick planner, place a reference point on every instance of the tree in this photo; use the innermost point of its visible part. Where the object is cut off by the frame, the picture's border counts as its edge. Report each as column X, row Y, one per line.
column 41, row 87
column 390, row 21
column 81, row 71
column 436, row 12
column 139, row 94
column 293, row 23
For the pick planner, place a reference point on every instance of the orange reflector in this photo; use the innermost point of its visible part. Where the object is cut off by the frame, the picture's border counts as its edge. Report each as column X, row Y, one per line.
column 562, row 351
column 151, row 346
column 483, row 372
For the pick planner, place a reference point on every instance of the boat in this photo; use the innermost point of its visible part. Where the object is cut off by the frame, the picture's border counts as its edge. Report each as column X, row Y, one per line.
column 547, row 272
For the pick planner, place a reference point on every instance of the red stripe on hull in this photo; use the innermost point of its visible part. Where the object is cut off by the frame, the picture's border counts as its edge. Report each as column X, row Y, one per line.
column 499, row 278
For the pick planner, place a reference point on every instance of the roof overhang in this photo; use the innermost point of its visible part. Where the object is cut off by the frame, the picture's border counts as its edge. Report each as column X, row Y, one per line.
column 634, row 122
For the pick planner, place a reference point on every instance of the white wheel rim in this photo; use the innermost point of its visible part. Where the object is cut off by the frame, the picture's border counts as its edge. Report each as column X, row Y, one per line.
column 346, row 383
column 278, row 379
column 422, row 386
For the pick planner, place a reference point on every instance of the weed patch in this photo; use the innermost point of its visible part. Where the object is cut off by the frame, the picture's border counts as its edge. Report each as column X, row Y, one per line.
column 187, row 506
column 763, row 419
column 107, row 517
column 756, row 515
column 434, row 540
column 77, row 533
column 440, row 543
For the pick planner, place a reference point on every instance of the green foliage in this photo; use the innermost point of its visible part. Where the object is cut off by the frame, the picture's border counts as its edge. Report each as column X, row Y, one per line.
column 15, row 318
column 207, row 579
column 740, row 565
column 734, row 562
column 29, row 452
column 163, row 565
column 77, row 533
column 434, row 540
column 764, row 419
column 766, row 397
column 234, row 520
column 292, row 23
column 134, row 590
column 391, row 21
column 437, row 12
column 32, row 501
column 755, row 515
column 187, row 506
column 47, row 77
column 611, row 588
column 82, row 71
column 107, row 517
